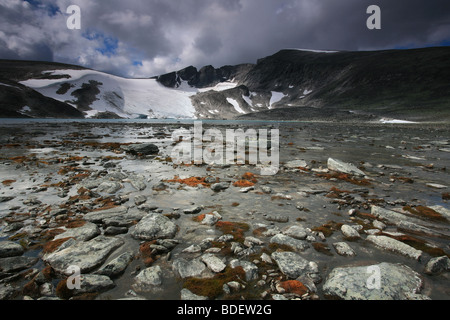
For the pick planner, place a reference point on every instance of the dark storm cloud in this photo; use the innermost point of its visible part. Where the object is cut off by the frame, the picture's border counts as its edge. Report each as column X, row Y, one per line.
column 155, row 36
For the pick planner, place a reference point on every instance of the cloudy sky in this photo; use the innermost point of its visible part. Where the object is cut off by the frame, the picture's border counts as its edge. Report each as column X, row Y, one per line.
column 143, row 38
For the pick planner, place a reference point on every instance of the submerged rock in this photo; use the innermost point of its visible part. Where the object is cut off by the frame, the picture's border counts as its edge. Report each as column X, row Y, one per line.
column 384, row 281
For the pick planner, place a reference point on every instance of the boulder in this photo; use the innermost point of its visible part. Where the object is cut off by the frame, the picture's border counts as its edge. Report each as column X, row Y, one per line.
column 391, row 244
column 148, row 279
column 294, row 265
column 154, row 226
column 87, row 255
column 384, row 281
column 10, row 249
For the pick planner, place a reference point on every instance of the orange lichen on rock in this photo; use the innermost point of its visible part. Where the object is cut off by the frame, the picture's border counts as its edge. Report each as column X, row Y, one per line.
column 294, row 286
column 7, row 183
column 344, row 177
column 425, row 212
column 243, row 184
column 192, row 181
column 51, row 246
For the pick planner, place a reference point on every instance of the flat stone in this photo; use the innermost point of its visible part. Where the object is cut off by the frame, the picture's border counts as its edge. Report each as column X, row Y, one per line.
column 99, row 216
column 281, row 239
column 294, row 164
column 148, row 279
column 340, row 166
column 391, row 244
column 396, row 282
column 436, row 186
column 141, row 149
column 214, row 263
column 14, row 264
column 116, row 266
column 293, row 265
column 87, row 255
column 94, row 283
column 10, row 249
column 343, row 249
column 188, row 268
column 154, row 226
column 188, row 295
column 84, row 233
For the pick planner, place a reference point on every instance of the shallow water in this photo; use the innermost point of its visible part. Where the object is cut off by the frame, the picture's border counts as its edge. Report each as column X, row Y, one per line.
column 385, row 152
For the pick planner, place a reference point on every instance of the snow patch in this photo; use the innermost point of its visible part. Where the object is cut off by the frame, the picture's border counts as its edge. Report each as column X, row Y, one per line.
column 276, row 97
column 395, row 121
column 235, row 105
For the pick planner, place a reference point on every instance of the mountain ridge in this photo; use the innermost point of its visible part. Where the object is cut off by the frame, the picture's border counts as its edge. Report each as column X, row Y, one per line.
column 409, row 84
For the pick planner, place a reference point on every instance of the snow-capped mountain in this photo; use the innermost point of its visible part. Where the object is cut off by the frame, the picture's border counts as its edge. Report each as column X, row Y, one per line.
column 95, row 93
column 293, row 84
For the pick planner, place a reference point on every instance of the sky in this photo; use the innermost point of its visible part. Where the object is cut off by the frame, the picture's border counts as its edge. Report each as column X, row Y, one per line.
column 144, row 38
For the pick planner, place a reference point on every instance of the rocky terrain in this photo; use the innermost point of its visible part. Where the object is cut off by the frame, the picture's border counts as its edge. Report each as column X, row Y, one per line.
column 356, row 211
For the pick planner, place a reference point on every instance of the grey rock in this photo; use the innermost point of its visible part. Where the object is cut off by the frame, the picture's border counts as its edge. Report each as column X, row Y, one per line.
column 298, row 245
column 294, row 265
column 188, row 268
column 6, row 292
column 148, row 279
column 293, row 164
column 93, row 283
column 87, row 255
column 116, row 266
column 110, row 187
column 214, row 263
column 188, row 295
column 99, row 216
column 391, row 244
column 192, row 210
column 84, row 233
column 142, row 149
column 266, row 189
column 343, row 249
column 359, row 283
column 10, row 249
column 296, row 232
column 277, row 218
column 154, row 226
column 340, row 166
column 437, row 265
column 138, row 182
column 220, row 186
column 139, row 199
column 349, row 232
column 113, row 230
column 14, row 264
column 251, row 270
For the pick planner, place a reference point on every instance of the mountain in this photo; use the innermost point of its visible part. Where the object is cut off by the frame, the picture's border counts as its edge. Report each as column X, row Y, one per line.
column 292, row 84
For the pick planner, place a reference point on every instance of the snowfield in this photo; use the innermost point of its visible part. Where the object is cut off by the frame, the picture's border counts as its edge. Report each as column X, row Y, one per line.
column 128, row 98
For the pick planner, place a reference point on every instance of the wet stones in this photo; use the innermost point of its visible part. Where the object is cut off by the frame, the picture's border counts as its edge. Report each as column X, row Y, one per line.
column 395, row 246
column 217, row 187
column 10, row 249
column 437, row 265
column 343, row 249
column 294, row 265
column 154, row 226
column 340, row 166
column 397, row 282
column 141, row 149
column 87, row 255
